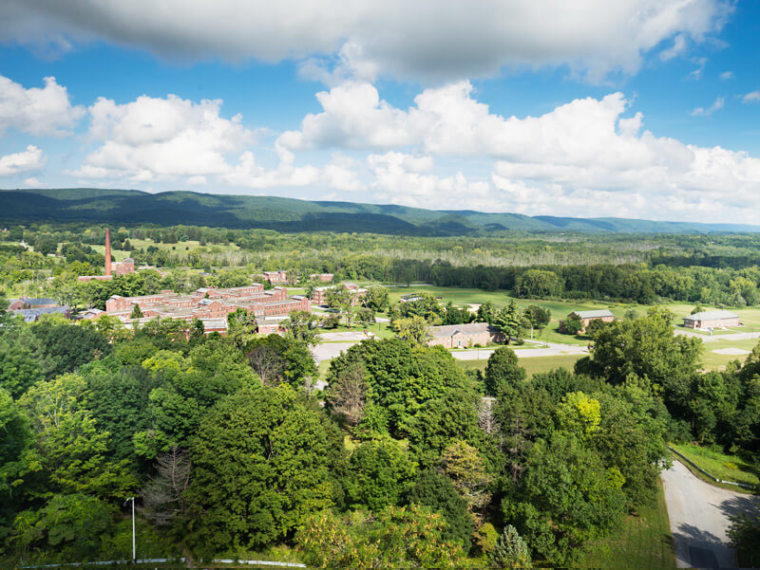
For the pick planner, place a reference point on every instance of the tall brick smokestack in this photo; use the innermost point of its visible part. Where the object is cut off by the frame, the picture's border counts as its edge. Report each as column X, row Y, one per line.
column 108, row 251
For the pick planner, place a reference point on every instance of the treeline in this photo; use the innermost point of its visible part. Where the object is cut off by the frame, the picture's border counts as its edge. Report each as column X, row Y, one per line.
column 715, row 270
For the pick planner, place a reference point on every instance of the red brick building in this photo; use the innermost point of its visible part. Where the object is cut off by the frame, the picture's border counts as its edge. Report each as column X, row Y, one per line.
column 210, row 304
column 323, row 277
column 319, row 295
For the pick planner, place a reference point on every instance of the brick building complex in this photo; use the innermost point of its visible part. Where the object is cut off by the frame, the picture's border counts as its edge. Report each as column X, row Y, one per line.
column 210, row 304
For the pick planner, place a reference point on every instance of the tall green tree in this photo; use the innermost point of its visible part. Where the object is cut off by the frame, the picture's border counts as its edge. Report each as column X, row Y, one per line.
column 508, row 321
column 19, row 369
column 566, row 497
column 380, row 474
column 647, row 348
column 434, row 490
column 64, row 347
column 73, row 452
column 262, row 461
column 503, row 369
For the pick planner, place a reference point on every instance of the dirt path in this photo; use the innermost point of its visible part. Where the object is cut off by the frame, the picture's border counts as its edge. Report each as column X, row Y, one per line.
column 699, row 518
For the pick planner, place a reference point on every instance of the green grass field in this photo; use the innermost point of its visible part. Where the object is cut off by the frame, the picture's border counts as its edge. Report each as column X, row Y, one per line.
column 721, row 465
column 643, row 542
column 118, row 254
column 181, row 245
column 714, row 361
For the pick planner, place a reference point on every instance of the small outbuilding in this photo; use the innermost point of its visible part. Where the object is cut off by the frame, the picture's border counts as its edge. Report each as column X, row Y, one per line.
column 711, row 320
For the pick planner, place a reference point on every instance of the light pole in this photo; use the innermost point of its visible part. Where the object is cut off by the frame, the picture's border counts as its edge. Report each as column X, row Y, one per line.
column 134, row 544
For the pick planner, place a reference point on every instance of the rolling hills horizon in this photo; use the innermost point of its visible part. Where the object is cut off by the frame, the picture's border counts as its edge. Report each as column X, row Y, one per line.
column 98, row 205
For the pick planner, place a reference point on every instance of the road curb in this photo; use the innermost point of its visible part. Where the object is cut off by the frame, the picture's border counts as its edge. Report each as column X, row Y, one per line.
column 710, row 475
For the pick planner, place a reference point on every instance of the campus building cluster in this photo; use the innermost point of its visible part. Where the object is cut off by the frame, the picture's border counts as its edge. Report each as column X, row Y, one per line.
column 211, row 306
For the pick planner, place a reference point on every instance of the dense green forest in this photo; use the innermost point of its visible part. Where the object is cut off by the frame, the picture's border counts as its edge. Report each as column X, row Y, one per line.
column 289, row 215
column 402, row 460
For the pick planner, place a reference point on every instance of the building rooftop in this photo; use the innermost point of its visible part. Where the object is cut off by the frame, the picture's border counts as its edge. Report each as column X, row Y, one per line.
column 32, row 302
column 450, row 330
column 711, row 316
column 595, row 314
column 31, row 315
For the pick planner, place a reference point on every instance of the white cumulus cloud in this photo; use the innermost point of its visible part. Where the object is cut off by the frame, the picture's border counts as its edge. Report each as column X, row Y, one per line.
column 161, row 138
column 408, row 180
column 30, row 159
column 37, row 111
column 437, row 39
column 339, row 173
column 587, row 157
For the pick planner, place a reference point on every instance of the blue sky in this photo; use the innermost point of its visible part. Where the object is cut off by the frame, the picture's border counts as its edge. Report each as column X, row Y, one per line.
column 637, row 108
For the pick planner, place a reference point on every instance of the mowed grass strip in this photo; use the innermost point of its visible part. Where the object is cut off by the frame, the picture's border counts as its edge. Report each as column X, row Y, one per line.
column 644, row 541
column 720, row 465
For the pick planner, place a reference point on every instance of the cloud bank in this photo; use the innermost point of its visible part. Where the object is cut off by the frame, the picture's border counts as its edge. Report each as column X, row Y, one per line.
column 438, row 40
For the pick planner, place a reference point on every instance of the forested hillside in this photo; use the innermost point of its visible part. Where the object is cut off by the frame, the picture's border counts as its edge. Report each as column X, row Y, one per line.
column 289, row 215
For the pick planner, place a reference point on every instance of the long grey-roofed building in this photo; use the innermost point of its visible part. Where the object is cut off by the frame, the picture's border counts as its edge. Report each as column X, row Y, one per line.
column 711, row 320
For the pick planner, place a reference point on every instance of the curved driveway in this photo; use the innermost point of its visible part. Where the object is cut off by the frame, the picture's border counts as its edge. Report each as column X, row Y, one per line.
column 700, row 517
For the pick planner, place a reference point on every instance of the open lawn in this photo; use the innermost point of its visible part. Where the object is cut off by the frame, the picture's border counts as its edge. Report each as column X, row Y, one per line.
column 716, row 361
column 532, row 366
column 118, row 254
column 720, row 465
column 183, row 245
column 644, row 541
column 559, row 309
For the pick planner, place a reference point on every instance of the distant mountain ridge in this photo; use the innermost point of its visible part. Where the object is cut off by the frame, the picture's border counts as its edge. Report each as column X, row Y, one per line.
column 96, row 205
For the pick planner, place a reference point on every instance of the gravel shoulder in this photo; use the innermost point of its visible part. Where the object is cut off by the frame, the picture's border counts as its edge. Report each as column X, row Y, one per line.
column 700, row 517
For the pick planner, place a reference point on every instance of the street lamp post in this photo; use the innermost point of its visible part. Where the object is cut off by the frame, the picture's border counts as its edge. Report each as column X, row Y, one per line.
column 134, row 543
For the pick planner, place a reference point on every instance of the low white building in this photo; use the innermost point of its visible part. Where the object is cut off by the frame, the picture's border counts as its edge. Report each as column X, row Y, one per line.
column 711, row 320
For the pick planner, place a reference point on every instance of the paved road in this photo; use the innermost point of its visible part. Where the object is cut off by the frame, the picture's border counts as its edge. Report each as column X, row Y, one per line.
column 699, row 518
column 718, row 337
column 330, row 350
column 552, row 349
